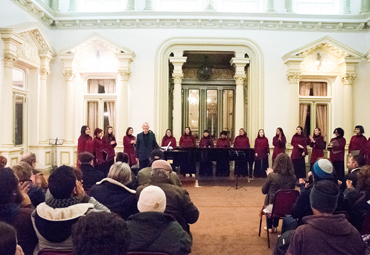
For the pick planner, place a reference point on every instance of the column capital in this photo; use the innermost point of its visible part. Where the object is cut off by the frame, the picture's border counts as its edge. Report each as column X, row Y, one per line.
column 9, row 59
column 289, row 6
column 148, row 5
column 346, row 7
column 124, row 74
column 69, row 75
column 130, row 5
column 293, row 76
column 270, row 6
column 365, row 6
column 348, row 78
column 177, row 77
column 177, row 61
column 239, row 78
column 44, row 72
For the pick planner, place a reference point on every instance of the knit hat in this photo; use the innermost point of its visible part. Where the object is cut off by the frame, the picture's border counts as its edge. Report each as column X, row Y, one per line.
column 322, row 169
column 162, row 164
column 324, row 196
column 152, row 199
column 85, row 157
column 156, row 154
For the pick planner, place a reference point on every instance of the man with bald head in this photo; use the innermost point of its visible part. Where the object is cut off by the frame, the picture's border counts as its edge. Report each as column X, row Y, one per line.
column 145, row 143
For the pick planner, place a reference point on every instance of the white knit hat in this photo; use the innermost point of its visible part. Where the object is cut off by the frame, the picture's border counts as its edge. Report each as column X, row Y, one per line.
column 152, row 199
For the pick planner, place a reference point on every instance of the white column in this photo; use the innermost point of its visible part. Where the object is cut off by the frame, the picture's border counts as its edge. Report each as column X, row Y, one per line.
column 148, row 5
column 293, row 78
column 348, row 79
column 270, row 6
column 289, row 6
column 210, row 6
column 122, row 91
column 72, row 6
column 45, row 58
column 54, row 5
column 178, row 60
column 365, row 6
column 11, row 42
column 130, row 5
column 346, row 7
column 240, row 76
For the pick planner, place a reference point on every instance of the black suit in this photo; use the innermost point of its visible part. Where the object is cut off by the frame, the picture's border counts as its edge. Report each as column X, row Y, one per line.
column 143, row 149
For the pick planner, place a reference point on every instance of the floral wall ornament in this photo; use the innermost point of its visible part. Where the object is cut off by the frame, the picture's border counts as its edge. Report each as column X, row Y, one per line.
column 293, row 76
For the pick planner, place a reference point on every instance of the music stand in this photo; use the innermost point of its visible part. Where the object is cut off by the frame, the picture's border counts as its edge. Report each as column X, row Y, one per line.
column 55, row 142
column 237, row 155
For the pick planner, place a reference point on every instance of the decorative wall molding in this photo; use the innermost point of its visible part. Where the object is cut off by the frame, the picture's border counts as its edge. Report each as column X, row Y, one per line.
column 28, row 50
column 124, row 74
column 217, row 74
column 239, row 79
column 348, row 78
column 44, row 72
column 9, row 59
column 293, row 77
column 69, row 75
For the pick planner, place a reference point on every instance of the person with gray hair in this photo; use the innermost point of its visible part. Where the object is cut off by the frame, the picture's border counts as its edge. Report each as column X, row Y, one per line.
column 38, row 179
column 113, row 191
column 179, row 203
column 145, row 143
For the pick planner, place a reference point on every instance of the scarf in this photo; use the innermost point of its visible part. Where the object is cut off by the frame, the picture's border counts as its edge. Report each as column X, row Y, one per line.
column 62, row 203
column 8, row 212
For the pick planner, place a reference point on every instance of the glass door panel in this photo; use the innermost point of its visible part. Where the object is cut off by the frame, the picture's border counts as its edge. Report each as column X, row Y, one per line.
column 18, row 125
column 194, row 112
column 228, row 112
column 212, row 113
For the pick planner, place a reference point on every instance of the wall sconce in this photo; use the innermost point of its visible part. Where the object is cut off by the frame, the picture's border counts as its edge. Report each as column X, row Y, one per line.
column 318, row 61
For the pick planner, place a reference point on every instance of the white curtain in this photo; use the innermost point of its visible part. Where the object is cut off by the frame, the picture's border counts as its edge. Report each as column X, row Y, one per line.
column 93, row 86
column 304, row 90
column 320, row 89
column 92, row 115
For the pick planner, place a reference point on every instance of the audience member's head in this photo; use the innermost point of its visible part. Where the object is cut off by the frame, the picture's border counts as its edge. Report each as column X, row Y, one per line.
column 355, row 162
column 23, row 171
column 8, row 240
column 100, row 233
column 62, row 182
column 322, row 170
column 120, row 172
column 78, row 173
column 156, row 154
column 86, row 158
column 122, row 157
column 161, row 168
column 29, row 158
column 324, row 197
column 3, row 161
column 283, row 165
column 363, row 179
column 9, row 188
column 152, row 199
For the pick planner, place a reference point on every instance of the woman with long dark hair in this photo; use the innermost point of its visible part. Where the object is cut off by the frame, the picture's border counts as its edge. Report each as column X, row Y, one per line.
column 85, row 142
column 279, row 143
column 98, row 149
column 299, row 143
column 168, row 138
column 129, row 142
column 357, row 145
column 317, row 144
column 223, row 167
column 261, row 151
column 110, row 143
column 187, row 140
column 205, row 167
column 337, row 151
column 242, row 142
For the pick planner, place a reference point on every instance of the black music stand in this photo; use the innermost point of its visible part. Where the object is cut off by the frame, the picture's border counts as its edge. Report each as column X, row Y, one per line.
column 55, row 142
column 237, row 155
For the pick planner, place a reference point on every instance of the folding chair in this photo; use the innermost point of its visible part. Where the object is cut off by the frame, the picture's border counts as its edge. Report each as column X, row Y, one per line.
column 283, row 203
column 54, row 252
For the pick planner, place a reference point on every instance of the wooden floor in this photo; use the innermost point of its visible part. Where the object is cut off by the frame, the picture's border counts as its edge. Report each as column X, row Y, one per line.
column 229, row 218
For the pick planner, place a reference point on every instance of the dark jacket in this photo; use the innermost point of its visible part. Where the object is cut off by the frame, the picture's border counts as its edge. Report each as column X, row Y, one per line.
column 157, row 232
column 178, row 201
column 274, row 182
column 116, row 196
column 143, row 150
column 358, row 206
column 36, row 194
column 20, row 219
column 90, row 175
column 322, row 235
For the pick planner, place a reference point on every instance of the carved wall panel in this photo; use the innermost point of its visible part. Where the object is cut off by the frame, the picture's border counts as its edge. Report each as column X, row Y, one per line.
column 320, row 61
column 28, row 50
column 217, row 74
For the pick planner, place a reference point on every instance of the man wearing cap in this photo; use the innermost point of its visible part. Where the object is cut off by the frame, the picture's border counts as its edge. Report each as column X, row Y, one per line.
column 145, row 143
column 323, row 232
column 145, row 174
column 179, row 204
column 90, row 174
column 152, row 230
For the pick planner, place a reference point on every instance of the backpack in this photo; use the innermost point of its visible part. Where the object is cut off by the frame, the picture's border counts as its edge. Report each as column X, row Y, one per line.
column 283, row 242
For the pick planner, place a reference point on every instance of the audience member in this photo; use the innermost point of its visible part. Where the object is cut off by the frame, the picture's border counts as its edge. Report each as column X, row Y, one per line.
column 90, row 174
column 114, row 193
column 152, row 230
column 178, row 201
column 8, row 240
column 37, row 178
column 354, row 165
column 145, row 143
column 3, row 161
column 100, row 233
column 323, row 232
column 53, row 219
column 16, row 209
column 145, row 174
column 124, row 158
column 280, row 177
column 24, row 172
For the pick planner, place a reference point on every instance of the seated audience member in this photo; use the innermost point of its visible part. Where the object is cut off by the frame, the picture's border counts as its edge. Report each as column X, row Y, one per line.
column 124, row 158
column 16, row 209
column 38, row 179
column 114, row 193
column 323, row 232
column 100, row 233
column 359, row 197
column 24, row 172
column 53, row 219
column 90, row 174
column 179, row 204
column 8, row 240
column 280, row 177
column 3, row 161
column 354, row 164
column 145, row 174
column 152, row 230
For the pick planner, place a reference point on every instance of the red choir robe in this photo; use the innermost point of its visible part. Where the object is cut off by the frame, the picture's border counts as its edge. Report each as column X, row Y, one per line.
column 206, row 142
column 241, row 142
column 98, row 151
column 279, row 146
column 367, row 155
column 261, row 147
column 358, row 143
column 317, row 148
column 296, row 140
column 166, row 140
column 337, row 150
column 129, row 148
column 187, row 141
column 108, row 147
column 223, row 143
column 85, row 143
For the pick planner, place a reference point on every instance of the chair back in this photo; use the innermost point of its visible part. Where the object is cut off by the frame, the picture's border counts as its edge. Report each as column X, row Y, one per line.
column 146, row 253
column 54, row 252
column 283, row 203
column 365, row 227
